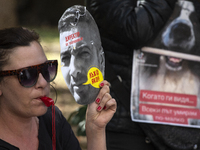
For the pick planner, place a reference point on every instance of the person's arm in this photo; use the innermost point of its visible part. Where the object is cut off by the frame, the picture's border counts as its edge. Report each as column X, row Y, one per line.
column 96, row 138
column 97, row 116
column 130, row 25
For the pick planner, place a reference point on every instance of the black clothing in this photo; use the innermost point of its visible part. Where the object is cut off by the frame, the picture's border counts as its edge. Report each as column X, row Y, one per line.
column 126, row 141
column 124, row 27
column 65, row 138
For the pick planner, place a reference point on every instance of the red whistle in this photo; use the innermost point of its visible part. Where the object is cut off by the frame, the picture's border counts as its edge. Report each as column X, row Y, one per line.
column 47, row 101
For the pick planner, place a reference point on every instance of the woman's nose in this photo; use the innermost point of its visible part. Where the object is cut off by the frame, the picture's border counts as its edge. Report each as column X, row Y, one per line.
column 41, row 82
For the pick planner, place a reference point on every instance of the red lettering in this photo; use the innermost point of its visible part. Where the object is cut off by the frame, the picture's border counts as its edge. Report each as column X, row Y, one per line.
column 72, row 36
column 95, row 80
column 91, row 75
column 94, row 73
column 97, row 72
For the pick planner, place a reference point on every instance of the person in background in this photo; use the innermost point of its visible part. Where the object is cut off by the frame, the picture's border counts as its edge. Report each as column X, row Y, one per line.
column 124, row 27
column 26, row 121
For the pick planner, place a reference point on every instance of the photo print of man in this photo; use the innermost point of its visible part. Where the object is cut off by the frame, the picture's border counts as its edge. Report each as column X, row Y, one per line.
column 82, row 56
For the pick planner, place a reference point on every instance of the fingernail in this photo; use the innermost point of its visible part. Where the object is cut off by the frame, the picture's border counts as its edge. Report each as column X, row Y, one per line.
column 102, row 84
column 97, row 100
column 99, row 108
column 104, row 107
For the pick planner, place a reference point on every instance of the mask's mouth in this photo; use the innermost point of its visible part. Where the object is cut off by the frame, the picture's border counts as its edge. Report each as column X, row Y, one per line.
column 173, row 63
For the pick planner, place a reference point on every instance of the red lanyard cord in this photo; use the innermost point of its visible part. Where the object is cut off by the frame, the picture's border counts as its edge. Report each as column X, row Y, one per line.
column 49, row 102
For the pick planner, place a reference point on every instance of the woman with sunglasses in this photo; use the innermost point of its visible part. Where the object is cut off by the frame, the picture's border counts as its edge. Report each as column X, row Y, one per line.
column 25, row 121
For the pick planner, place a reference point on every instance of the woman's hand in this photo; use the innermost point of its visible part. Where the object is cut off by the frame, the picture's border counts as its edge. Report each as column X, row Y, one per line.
column 100, row 112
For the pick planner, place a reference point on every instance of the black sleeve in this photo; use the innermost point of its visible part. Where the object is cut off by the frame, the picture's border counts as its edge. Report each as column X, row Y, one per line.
column 127, row 24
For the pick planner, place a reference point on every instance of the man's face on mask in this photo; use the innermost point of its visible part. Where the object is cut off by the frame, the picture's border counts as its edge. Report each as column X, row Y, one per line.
column 78, row 54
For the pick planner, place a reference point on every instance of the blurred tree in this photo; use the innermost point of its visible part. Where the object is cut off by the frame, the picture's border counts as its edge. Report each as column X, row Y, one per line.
column 8, row 14
column 77, row 118
column 43, row 12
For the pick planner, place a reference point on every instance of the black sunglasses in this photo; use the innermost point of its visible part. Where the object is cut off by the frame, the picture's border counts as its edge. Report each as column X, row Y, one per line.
column 28, row 76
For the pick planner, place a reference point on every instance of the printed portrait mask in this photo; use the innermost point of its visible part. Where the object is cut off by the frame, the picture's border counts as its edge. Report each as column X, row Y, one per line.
column 82, row 56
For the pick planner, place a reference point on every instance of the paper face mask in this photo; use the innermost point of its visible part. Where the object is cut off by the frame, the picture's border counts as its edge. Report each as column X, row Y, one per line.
column 82, row 57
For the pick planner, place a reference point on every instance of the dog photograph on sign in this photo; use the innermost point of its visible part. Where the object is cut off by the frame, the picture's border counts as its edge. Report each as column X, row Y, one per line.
column 167, row 72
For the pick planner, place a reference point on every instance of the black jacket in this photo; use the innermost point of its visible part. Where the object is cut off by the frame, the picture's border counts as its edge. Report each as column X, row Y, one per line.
column 124, row 28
